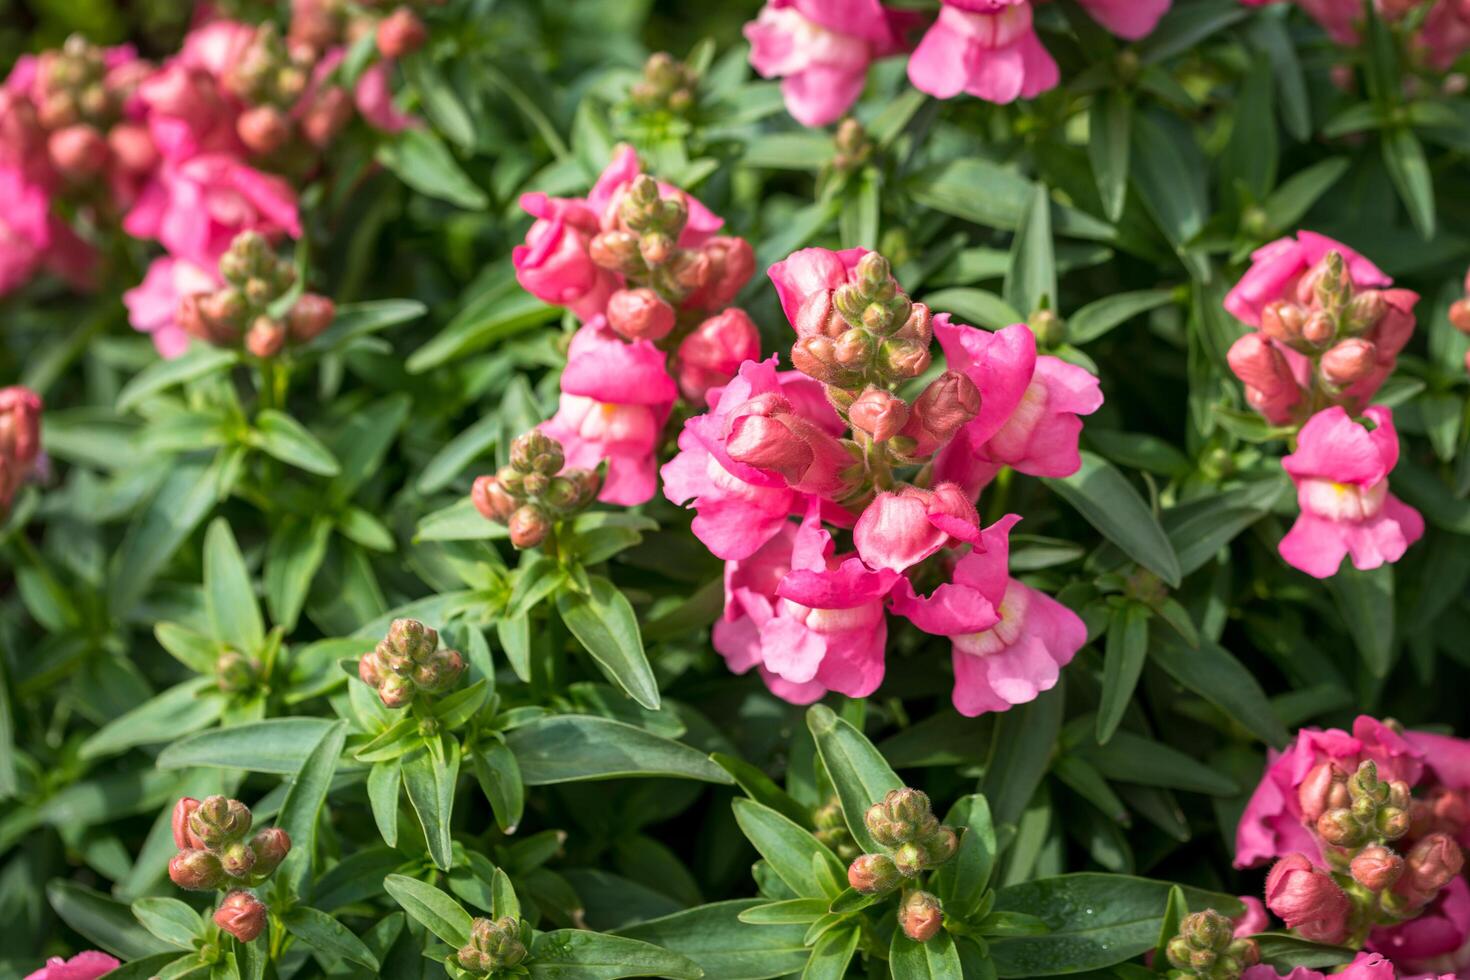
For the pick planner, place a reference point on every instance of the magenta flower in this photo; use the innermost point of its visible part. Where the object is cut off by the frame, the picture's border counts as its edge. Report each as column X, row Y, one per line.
column 1129, row 19
column 1277, row 270
column 985, row 48
column 898, row 530
column 196, row 208
column 1029, row 409
column 1341, row 473
column 83, row 966
column 1307, row 899
column 812, row 621
column 1009, row 640
column 153, row 304
column 1254, row 920
column 805, row 281
column 1367, row 966
column 1436, row 942
column 821, row 49
column 615, row 399
column 1445, row 34
column 25, row 228
column 554, row 264
column 712, row 352
column 739, row 507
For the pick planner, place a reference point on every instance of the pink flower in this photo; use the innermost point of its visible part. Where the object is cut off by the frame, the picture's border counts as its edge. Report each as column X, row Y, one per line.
column 554, row 264
column 25, row 228
column 196, row 208
column 1308, row 900
column 1445, row 34
column 811, row 621
column 713, row 351
column 83, row 966
column 1388, row 338
column 1271, row 387
column 1130, row 19
column 1029, row 408
column 1010, row 641
column 898, row 530
column 1277, row 269
column 607, row 195
column 1367, row 966
column 738, row 507
column 615, row 399
column 805, row 281
column 1273, row 822
column 1341, row 473
column 1254, row 920
column 373, row 96
column 153, row 304
column 1436, row 940
column 986, row 48
column 821, row 50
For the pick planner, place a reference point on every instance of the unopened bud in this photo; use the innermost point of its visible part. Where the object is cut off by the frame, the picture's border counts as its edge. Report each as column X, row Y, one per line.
column 1050, row 329
column 183, row 837
column 873, row 874
column 440, row 672
column 941, row 846
column 234, row 672
column 310, row 316
column 1283, row 321
column 639, row 314
column 78, row 151
column 900, row 360
column 1391, row 822
column 400, row 33
column 1318, row 330
column 1325, row 788
column 242, row 915
column 371, row 669
column 271, row 847
column 495, row 944
column 1349, row 361
column 920, row 916
column 237, row 859
column 263, row 129
column 1433, row 862
column 196, row 869
column 1376, row 868
column 616, row 250
column 395, row 691
column 492, row 500
column 218, row 820
column 1341, row 828
column 853, row 349
column 881, row 414
column 529, row 526
column 945, row 406
column 537, row 452
column 1365, row 309
column 1460, row 315
column 655, row 247
column 910, row 859
column 411, row 639
column 266, row 337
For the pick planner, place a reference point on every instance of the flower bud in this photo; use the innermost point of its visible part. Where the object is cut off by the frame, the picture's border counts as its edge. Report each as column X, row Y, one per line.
column 1366, row 309
column 1283, row 321
column 1460, row 315
column 920, row 916
column 242, row 915
column 941, row 846
column 395, row 691
column 329, row 111
column 492, row 501
column 183, row 837
column 900, row 817
column 1433, row 862
column 266, row 337
column 655, row 248
column 263, row 129
column 901, row 359
column 731, row 264
column 879, row 413
column 440, row 672
column 529, row 526
column 237, row 859
column 1391, row 822
column 78, row 151
column 411, row 639
column 537, row 452
column 1050, row 329
column 234, row 671
column 1376, row 868
column 1340, row 828
column 371, row 669
column 849, row 303
column 196, row 869
column 400, row 33
column 1308, row 900
column 1318, row 330
column 639, row 314
column 713, row 352
column 310, row 316
column 945, row 406
column 271, row 847
column 495, row 944
column 1325, row 788
column 218, row 821
column 910, row 859
column 616, row 250
column 873, row 874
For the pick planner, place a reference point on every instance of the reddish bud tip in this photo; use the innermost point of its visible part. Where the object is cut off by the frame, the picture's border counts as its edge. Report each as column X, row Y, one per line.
column 639, row 314
column 263, row 129
column 920, row 916
column 879, row 413
column 242, row 915
column 310, row 315
column 78, row 151
column 401, row 33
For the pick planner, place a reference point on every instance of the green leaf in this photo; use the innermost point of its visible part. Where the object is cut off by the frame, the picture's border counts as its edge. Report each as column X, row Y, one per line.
column 1286, row 205
column 603, row 622
column 104, row 922
column 858, row 220
column 479, row 325
column 383, row 783
column 577, row 954
column 441, row 103
column 278, row 745
column 1095, row 921
column 961, row 882
column 976, row 306
column 499, row 773
column 793, row 853
column 1250, row 158
column 1365, row 600
column 1101, row 494
column 989, row 194
column 1021, row 750
column 1031, row 275
column 1100, row 316
column 1407, row 166
column 460, row 521
column 181, row 709
column 1174, row 912
column 787, row 912
column 326, row 935
column 1284, row 951
column 832, row 954
column 431, row 908
column 762, row 788
column 429, row 778
column 198, row 361
column 1110, row 121
column 1127, row 648
column 725, row 946
column 170, row 920
column 305, row 795
column 1211, row 672
column 287, row 440
column 185, row 497
column 355, row 320
column 294, row 555
column 859, row 772
column 229, row 593
column 458, row 453
column 424, row 163
column 146, row 968
column 572, row 748
column 936, row 959
column 1133, row 758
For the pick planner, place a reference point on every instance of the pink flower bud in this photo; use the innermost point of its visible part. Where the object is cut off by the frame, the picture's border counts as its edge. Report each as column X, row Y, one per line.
column 529, row 526
column 872, row 874
column 900, row 359
column 1376, row 868
column 183, row 836
column 1432, row 862
column 732, row 263
column 401, row 33
column 263, row 129
column 196, row 870
column 946, row 405
column 1308, row 900
column 714, row 351
column 492, row 500
column 920, row 916
column 818, row 317
column 1271, row 388
column 242, row 915
column 1318, row 330
column 218, row 820
column 271, row 847
column 266, row 337
column 78, row 151
column 310, row 315
column 899, row 530
column 881, row 414
column 639, row 314
column 1348, row 361
column 440, row 672
column 396, row 691
column 132, row 147
column 1283, row 321
column 1325, row 788
column 1460, row 315
column 237, row 859
column 20, row 427
column 329, row 111
column 371, row 669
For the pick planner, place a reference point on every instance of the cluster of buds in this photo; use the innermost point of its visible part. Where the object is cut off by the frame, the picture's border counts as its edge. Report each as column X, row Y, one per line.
column 863, row 333
column 852, row 147
column 1380, row 871
column 667, row 85
column 20, row 441
column 915, row 842
column 535, row 490
column 665, row 282
column 1206, row 947
column 256, row 278
column 1348, row 338
column 1460, row 316
column 269, row 78
column 495, row 944
column 408, row 662
column 214, row 854
column 319, row 25
column 832, row 830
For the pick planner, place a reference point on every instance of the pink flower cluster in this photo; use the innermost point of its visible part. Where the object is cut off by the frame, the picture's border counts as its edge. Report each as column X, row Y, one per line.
column 821, row 49
column 1441, row 38
column 831, row 445
column 1295, row 817
column 644, row 267
column 1329, row 330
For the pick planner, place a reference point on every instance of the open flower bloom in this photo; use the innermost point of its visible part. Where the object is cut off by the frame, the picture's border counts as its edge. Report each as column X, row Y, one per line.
column 739, row 507
column 83, row 966
column 1341, row 473
column 1445, row 34
column 1367, row 966
column 25, row 228
column 805, row 281
column 1029, row 409
column 1010, row 641
column 821, row 49
column 1129, row 19
column 984, row 48
column 153, row 304
column 812, row 621
column 196, row 208
column 1274, row 821
column 711, row 353
column 899, row 530
column 615, row 399
column 1436, row 942
column 1277, row 269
